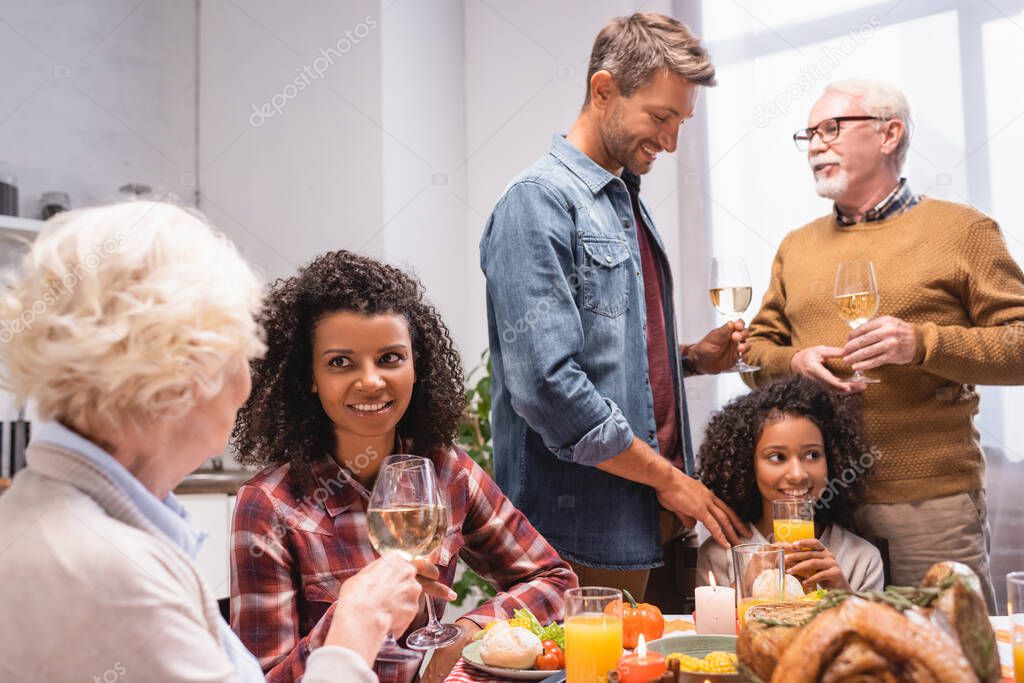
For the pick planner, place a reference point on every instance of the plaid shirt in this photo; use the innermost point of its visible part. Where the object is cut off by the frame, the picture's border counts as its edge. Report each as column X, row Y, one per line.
column 896, row 202
column 294, row 545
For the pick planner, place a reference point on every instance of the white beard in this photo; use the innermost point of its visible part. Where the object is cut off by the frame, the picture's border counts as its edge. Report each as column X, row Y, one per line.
column 834, row 187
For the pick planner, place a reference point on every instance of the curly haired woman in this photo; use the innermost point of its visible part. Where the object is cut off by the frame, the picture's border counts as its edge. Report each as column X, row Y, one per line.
column 793, row 439
column 359, row 366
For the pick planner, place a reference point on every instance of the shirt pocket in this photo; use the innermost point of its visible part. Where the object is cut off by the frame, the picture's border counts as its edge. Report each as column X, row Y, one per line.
column 319, row 592
column 324, row 586
column 453, row 542
column 606, row 270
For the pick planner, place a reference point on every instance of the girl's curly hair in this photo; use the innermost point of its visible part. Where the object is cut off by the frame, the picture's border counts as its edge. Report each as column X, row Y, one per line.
column 726, row 458
column 283, row 421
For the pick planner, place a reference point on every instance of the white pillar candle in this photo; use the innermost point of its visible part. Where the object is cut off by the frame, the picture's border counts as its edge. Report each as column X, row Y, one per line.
column 716, row 609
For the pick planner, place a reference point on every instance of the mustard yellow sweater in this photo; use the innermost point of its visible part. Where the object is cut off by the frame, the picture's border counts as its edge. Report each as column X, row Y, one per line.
column 944, row 268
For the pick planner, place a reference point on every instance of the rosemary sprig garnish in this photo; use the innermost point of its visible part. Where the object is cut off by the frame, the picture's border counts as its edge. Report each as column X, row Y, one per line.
column 769, row 621
column 900, row 598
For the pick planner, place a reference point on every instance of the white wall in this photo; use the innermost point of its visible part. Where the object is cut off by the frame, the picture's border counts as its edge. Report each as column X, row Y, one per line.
column 97, row 95
column 364, row 158
column 307, row 178
column 423, row 120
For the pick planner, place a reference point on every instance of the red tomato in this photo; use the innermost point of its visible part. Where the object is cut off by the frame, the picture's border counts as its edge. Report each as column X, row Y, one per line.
column 552, row 659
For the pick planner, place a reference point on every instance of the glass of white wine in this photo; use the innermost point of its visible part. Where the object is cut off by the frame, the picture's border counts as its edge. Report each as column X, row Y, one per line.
column 857, row 299
column 729, row 284
column 408, row 514
column 435, row 634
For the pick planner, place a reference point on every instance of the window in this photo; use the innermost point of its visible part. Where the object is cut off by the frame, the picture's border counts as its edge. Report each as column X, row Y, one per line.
column 959, row 62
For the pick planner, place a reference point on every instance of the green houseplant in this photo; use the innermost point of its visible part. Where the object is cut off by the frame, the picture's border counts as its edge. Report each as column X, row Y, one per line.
column 475, row 438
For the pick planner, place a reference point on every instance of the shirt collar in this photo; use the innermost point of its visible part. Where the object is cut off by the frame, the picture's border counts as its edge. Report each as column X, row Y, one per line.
column 167, row 515
column 632, row 181
column 340, row 490
column 896, row 202
column 585, row 168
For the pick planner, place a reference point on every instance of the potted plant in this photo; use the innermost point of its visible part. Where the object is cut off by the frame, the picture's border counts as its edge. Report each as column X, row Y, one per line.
column 475, row 439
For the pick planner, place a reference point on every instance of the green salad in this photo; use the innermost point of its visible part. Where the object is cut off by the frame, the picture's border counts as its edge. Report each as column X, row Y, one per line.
column 553, row 631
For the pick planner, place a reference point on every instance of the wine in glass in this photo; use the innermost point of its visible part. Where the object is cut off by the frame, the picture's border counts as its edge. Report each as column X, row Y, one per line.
column 857, row 299
column 403, row 516
column 730, row 289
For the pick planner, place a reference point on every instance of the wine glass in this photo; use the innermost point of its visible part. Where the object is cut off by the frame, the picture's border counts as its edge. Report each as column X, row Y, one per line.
column 857, row 299
column 729, row 284
column 402, row 516
column 435, row 634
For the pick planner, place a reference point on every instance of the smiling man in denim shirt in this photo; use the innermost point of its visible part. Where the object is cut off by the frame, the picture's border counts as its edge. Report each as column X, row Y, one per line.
column 591, row 438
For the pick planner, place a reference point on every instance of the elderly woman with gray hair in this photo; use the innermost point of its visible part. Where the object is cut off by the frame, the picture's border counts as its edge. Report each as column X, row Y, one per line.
column 131, row 329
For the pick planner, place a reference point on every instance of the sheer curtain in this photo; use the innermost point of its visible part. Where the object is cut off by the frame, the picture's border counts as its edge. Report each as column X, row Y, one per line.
column 958, row 61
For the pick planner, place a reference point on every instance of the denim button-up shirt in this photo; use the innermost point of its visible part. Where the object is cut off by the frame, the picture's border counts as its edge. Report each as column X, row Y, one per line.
column 567, row 326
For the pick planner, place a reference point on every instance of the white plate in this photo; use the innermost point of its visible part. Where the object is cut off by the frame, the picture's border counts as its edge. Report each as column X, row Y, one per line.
column 471, row 653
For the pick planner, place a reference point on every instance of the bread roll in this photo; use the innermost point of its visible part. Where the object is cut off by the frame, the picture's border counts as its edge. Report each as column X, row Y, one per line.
column 510, row 647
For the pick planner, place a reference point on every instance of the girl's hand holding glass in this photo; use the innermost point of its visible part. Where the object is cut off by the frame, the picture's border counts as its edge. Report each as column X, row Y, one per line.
column 810, row 558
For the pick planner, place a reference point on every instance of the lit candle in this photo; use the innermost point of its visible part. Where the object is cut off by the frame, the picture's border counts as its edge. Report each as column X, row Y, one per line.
column 716, row 609
column 641, row 666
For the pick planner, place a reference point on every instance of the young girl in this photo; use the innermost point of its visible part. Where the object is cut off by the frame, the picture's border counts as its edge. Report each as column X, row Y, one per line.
column 359, row 367
column 792, row 439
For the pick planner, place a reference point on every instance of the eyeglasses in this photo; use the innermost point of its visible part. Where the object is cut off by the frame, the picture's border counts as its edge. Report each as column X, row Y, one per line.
column 827, row 130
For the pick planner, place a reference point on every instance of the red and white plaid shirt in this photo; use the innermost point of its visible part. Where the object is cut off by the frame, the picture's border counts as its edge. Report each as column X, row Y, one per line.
column 294, row 545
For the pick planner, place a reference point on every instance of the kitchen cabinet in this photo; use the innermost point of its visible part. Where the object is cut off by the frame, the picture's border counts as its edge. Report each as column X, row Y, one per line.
column 211, row 512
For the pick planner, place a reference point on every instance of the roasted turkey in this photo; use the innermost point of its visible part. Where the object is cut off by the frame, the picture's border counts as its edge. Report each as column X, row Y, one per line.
column 936, row 633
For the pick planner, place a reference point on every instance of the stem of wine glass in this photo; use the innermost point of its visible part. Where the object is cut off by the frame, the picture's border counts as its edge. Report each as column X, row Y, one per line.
column 739, row 354
column 432, row 621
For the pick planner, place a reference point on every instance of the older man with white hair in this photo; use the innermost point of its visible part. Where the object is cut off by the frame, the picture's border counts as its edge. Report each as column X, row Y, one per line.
column 949, row 292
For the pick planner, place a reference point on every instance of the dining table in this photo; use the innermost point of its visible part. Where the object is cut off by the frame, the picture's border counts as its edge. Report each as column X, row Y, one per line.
column 683, row 624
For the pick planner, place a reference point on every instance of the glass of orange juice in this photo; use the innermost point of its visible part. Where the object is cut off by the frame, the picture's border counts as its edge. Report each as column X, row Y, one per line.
column 593, row 633
column 792, row 519
column 760, row 570
column 1015, row 608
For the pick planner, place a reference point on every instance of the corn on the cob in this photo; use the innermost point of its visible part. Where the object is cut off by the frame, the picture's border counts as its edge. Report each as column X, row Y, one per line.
column 717, row 662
